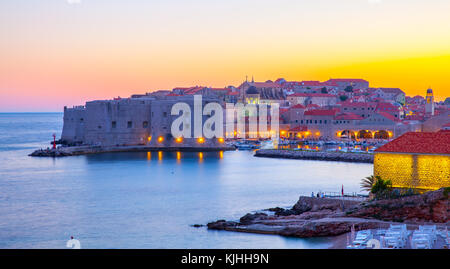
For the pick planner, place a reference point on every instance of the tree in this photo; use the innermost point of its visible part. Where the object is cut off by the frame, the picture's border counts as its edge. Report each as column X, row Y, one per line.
column 367, row 183
column 381, row 186
column 343, row 97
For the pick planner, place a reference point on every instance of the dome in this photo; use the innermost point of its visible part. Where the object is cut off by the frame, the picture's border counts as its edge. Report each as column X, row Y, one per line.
column 252, row 90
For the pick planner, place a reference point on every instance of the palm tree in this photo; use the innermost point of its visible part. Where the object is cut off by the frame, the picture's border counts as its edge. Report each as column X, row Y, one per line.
column 367, row 183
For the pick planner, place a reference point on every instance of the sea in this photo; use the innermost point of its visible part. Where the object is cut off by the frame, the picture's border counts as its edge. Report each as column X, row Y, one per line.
column 147, row 199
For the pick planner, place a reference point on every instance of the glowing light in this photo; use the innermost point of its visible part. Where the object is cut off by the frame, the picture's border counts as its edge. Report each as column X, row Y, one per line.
column 200, row 155
column 160, row 139
column 221, row 154
column 201, row 140
column 413, row 171
column 317, row 133
column 149, row 155
column 160, row 155
column 221, row 140
column 149, row 138
column 178, row 155
column 179, row 140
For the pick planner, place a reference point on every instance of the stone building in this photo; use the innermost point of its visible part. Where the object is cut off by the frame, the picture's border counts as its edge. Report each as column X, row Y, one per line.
column 419, row 160
column 343, row 83
column 429, row 104
column 130, row 121
column 320, row 99
column 391, row 94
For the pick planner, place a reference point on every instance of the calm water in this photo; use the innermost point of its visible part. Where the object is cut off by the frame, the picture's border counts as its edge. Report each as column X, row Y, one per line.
column 141, row 200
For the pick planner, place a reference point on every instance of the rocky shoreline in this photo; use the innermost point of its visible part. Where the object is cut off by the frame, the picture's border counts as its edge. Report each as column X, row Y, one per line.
column 83, row 150
column 317, row 217
column 316, row 155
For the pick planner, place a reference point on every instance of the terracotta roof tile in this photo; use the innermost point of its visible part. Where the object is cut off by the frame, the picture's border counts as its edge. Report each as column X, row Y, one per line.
column 419, row 142
column 301, row 128
column 348, row 116
column 321, row 112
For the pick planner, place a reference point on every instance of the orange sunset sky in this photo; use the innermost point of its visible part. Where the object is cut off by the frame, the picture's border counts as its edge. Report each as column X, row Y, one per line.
column 64, row 52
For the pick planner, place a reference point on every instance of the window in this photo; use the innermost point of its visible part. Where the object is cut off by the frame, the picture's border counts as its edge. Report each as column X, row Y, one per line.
column 315, row 122
column 145, row 124
column 325, row 121
column 320, row 121
column 164, row 114
column 113, row 124
column 129, row 124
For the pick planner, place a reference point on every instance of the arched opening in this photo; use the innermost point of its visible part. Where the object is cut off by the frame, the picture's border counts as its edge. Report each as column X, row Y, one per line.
column 348, row 134
column 365, row 134
column 381, row 134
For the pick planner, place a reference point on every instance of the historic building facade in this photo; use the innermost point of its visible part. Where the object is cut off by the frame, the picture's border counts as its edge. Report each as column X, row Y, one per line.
column 419, row 160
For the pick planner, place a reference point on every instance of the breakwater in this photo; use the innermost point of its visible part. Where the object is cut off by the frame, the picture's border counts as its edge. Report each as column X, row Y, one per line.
column 316, row 155
column 83, row 150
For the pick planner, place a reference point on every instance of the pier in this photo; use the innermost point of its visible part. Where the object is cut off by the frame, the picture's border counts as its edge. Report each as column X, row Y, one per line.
column 316, row 155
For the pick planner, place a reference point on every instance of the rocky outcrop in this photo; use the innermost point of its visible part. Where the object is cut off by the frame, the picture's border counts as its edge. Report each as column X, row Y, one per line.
column 316, row 155
column 49, row 153
column 311, row 217
column 431, row 206
column 305, row 204
column 330, row 227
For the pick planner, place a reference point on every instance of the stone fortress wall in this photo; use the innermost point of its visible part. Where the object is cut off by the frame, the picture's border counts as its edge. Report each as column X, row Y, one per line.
column 130, row 121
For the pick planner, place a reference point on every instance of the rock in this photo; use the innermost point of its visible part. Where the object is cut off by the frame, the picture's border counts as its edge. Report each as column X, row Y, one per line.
column 49, row 153
column 305, row 204
column 249, row 218
column 312, row 217
column 329, row 227
column 197, row 225
column 316, row 155
column 430, row 206
column 221, row 225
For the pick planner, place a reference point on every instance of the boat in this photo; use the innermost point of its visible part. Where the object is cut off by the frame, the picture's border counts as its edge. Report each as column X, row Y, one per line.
column 246, row 145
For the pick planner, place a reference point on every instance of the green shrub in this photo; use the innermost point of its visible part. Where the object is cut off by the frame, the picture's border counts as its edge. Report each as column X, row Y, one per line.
column 381, row 185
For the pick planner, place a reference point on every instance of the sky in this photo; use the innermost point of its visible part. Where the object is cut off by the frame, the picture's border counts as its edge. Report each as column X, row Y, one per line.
column 56, row 53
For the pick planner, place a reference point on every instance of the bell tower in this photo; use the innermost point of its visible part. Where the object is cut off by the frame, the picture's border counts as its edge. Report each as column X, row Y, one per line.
column 429, row 105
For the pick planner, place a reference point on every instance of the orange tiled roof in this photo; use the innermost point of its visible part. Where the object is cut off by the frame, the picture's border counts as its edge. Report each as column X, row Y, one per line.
column 301, row 128
column 321, row 112
column 348, row 116
column 419, row 142
column 298, row 106
column 312, row 95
